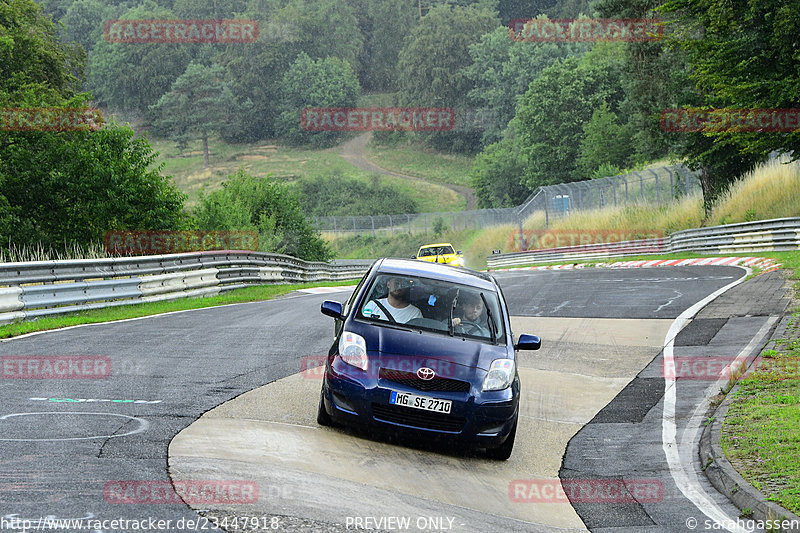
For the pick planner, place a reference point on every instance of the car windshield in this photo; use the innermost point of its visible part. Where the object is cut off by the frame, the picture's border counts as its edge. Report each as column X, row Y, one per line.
column 436, row 306
column 436, row 250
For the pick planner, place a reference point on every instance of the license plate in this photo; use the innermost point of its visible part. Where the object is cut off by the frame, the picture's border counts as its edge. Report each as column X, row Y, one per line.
column 420, row 402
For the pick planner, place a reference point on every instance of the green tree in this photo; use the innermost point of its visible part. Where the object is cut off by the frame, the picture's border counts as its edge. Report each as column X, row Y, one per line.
column 132, row 77
column 433, row 60
column 268, row 206
column 605, row 142
column 83, row 22
column 33, row 60
column 198, row 102
column 747, row 58
column 557, row 105
column 385, row 25
column 72, row 187
column 432, row 67
column 327, row 82
column 498, row 171
column 502, row 70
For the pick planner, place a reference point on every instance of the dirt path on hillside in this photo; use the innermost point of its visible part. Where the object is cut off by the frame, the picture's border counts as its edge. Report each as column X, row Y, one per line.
column 354, row 152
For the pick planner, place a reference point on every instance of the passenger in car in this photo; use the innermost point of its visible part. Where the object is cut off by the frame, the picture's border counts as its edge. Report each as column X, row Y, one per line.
column 470, row 321
column 397, row 305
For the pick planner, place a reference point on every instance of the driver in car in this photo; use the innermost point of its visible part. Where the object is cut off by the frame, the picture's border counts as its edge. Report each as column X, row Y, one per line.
column 469, row 322
column 397, row 305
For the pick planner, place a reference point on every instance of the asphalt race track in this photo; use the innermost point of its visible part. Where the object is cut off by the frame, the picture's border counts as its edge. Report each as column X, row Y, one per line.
column 596, row 409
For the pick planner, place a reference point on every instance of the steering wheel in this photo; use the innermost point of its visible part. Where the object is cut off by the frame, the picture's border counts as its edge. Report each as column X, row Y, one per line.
column 470, row 328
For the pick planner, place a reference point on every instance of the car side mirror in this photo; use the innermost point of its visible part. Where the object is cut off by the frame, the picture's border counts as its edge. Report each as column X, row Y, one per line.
column 528, row 342
column 459, row 252
column 331, row 309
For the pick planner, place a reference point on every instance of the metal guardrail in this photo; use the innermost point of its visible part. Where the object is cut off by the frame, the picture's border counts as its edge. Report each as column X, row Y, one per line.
column 43, row 288
column 781, row 234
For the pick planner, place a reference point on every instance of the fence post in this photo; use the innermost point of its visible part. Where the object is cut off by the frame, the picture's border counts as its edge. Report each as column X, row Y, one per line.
column 626, row 189
column 641, row 185
column 355, row 231
column 546, row 210
column 372, row 220
column 391, row 226
column 426, row 223
column 654, row 173
column 671, row 183
column 409, row 223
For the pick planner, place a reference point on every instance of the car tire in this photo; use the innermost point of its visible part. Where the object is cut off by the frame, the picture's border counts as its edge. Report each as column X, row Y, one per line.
column 503, row 452
column 323, row 418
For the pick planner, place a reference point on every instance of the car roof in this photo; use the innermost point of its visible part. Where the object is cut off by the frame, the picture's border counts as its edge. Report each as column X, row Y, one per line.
column 423, row 269
column 437, row 244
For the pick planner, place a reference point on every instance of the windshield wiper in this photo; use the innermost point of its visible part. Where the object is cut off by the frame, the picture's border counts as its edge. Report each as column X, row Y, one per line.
column 450, row 327
column 492, row 323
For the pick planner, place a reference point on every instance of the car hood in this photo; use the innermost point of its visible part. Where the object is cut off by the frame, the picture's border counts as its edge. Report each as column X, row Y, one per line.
column 394, row 344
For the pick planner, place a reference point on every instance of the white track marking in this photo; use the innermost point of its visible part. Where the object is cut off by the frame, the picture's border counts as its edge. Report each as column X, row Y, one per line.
column 143, row 425
column 680, row 464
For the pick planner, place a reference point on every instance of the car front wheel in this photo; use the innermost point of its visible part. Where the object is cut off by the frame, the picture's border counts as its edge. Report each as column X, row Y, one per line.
column 503, row 452
column 323, row 418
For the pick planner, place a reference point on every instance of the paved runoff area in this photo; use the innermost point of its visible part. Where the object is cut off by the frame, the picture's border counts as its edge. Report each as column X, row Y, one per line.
column 270, row 435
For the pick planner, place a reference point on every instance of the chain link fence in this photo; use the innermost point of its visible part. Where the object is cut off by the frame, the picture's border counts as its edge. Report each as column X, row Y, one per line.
column 658, row 186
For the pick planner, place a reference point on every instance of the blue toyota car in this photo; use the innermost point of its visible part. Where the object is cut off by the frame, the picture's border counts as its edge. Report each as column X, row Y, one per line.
column 425, row 349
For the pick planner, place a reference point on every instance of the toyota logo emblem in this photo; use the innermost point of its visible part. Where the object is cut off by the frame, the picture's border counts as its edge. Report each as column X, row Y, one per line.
column 425, row 373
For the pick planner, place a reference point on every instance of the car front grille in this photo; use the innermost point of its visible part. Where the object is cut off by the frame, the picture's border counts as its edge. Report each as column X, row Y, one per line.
column 410, row 379
column 418, row 418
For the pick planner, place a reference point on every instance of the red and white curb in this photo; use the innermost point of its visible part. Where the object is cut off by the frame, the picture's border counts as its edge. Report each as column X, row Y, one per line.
column 766, row 264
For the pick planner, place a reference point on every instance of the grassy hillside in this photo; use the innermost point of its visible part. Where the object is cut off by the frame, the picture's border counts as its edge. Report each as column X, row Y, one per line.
column 291, row 164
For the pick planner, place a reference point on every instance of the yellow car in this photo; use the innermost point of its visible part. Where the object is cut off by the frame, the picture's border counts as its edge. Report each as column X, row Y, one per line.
column 442, row 252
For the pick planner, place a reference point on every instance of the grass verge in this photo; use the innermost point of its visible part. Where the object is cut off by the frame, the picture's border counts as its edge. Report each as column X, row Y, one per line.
column 760, row 432
column 247, row 294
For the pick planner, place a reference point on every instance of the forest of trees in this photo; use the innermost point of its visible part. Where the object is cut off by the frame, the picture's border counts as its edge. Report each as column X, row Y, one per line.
column 560, row 111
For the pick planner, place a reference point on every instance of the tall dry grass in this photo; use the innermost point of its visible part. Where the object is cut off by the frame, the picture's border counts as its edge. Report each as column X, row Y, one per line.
column 770, row 191
column 38, row 252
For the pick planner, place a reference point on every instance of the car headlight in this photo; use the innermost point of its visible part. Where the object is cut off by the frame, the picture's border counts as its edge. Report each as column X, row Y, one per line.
column 500, row 376
column 353, row 350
